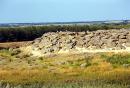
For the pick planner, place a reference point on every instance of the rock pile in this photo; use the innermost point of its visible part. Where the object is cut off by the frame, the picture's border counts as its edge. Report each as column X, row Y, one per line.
column 54, row 42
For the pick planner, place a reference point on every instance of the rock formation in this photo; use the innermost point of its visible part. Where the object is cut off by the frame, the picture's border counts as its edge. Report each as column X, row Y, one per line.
column 61, row 42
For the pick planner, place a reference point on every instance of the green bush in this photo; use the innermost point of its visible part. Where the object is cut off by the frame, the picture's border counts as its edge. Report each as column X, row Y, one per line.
column 118, row 59
column 32, row 32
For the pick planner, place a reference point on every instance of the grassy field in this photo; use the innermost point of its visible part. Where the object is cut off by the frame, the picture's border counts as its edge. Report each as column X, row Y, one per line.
column 101, row 70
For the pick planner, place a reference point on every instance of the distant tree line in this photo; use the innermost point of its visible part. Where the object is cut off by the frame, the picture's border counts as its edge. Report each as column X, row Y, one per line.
column 8, row 34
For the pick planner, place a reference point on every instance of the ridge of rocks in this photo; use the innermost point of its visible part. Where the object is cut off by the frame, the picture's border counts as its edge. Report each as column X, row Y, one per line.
column 54, row 42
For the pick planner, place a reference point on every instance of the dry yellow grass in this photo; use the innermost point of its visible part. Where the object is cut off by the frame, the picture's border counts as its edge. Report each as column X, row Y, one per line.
column 64, row 67
column 13, row 44
column 43, row 75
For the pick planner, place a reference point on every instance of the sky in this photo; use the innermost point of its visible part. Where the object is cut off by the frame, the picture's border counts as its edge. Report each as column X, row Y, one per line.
column 27, row 11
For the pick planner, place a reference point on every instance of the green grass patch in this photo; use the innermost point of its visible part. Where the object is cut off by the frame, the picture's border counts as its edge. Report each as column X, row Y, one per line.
column 118, row 59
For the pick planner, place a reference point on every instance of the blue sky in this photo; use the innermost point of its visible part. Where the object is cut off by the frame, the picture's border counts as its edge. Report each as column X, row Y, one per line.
column 63, row 10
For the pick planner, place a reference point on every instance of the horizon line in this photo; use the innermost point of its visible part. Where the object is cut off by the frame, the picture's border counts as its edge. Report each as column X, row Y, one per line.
column 64, row 21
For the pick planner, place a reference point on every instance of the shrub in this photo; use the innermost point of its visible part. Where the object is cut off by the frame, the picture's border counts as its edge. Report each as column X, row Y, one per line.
column 31, row 32
column 117, row 59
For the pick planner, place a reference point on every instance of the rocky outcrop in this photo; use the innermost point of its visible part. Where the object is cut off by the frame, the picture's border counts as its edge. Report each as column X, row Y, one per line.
column 59, row 42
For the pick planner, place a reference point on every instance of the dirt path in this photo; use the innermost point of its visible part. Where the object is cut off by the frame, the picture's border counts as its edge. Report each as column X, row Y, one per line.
column 12, row 44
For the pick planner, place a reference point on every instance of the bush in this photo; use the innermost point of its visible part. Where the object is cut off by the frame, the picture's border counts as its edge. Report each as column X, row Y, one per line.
column 32, row 32
column 117, row 59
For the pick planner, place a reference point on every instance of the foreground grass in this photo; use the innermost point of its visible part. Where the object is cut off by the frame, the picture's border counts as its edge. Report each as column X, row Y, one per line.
column 70, row 78
column 103, row 70
column 25, row 76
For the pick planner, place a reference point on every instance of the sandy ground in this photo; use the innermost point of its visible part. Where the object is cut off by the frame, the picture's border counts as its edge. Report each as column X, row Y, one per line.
column 38, row 53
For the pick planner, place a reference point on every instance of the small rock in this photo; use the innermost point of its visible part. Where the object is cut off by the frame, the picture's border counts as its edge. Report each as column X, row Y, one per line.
column 126, row 65
column 83, row 65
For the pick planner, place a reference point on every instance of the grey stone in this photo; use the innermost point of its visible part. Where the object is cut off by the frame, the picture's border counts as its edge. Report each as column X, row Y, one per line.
column 127, row 44
column 122, row 40
column 122, row 36
column 18, row 86
column 83, row 65
column 8, row 85
column 115, row 36
column 126, row 65
column 55, row 41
